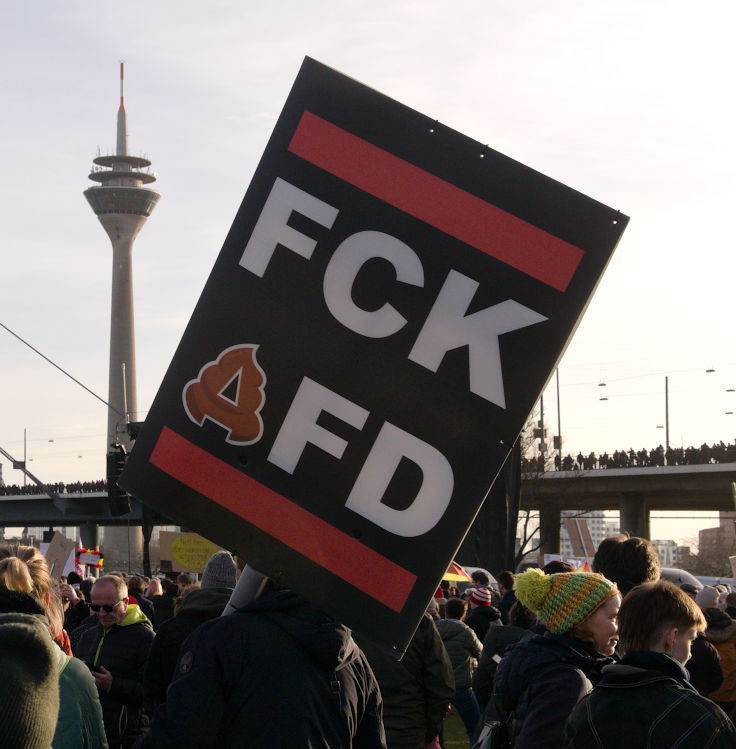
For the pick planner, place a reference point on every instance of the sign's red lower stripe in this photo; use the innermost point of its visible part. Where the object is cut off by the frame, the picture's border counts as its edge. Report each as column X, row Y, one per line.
column 436, row 202
column 322, row 543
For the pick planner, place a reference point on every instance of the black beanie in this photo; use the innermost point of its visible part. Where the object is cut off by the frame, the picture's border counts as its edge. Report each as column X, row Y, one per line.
column 29, row 683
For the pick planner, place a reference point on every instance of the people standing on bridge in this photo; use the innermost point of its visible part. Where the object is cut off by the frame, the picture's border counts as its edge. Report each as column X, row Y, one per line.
column 646, row 699
column 627, row 561
column 116, row 650
column 541, row 678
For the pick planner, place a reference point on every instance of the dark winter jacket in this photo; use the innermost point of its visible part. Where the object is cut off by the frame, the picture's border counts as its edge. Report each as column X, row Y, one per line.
column 75, row 635
column 508, row 599
column 721, row 632
column 481, row 618
column 464, row 649
column 416, row 690
column 494, row 646
column 540, row 679
column 163, row 609
column 276, row 673
column 645, row 700
column 199, row 606
column 704, row 666
column 123, row 650
column 75, row 615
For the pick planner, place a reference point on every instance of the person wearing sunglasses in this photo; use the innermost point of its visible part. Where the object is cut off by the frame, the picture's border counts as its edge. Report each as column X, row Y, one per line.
column 116, row 649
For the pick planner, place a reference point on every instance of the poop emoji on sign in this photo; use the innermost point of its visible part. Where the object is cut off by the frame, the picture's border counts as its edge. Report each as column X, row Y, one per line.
column 229, row 391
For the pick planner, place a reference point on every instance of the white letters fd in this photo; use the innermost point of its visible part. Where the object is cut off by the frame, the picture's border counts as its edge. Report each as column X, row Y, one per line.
column 392, row 444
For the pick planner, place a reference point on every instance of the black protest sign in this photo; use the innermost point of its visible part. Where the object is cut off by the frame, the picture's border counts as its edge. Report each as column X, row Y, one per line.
column 386, row 309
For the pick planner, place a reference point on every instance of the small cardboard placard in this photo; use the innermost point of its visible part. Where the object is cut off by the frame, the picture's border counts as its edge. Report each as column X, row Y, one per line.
column 60, row 551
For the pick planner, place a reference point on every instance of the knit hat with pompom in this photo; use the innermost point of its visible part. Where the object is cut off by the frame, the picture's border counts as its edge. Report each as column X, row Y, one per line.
column 565, row 599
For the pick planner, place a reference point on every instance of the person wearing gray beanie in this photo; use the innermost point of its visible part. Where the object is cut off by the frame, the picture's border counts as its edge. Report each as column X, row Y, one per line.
column 29, row 687
column 219, row 571
column 198, row 606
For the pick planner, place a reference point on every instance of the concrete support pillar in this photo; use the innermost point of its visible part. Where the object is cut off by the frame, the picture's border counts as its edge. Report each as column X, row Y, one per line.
column 89, row 533
column 549, row 530
column 634, row 515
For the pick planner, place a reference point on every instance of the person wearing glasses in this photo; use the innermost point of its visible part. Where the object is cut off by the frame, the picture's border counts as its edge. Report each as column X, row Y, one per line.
column 116, row 650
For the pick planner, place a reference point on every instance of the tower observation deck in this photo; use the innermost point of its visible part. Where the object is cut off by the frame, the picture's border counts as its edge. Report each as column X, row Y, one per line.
column 122, row 204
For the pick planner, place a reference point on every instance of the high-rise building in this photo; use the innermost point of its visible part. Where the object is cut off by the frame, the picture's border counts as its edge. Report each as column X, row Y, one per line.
column 122, row 204
column 589, row 528
column 666, row 551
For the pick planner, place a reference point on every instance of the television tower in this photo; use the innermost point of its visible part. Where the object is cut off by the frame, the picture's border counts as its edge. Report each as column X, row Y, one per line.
column 122, row 205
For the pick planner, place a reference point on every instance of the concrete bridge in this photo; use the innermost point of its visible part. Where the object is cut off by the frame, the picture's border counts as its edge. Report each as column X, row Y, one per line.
column 86, row 510
column 631, row 491
column 634, row 492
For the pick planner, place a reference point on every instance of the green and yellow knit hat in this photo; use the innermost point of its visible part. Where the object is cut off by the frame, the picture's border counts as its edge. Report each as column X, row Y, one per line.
column 565, row 599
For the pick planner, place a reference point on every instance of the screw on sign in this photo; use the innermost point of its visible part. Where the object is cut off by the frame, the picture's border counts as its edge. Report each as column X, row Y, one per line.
column 383, row 315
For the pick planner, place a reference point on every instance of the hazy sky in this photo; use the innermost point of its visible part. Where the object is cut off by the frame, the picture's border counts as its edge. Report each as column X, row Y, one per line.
column 628, row 102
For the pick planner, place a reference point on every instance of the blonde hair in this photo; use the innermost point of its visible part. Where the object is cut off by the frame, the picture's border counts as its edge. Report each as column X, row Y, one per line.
column 24, row 570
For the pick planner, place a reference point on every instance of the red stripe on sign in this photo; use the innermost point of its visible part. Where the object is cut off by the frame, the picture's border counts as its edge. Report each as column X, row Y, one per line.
column 337, row 552
column 436, row 202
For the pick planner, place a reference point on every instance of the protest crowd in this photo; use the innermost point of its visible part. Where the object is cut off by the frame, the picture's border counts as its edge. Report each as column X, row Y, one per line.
column 545, row 659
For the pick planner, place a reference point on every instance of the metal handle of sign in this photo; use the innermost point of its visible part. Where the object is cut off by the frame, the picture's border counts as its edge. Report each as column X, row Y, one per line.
column 249, row 585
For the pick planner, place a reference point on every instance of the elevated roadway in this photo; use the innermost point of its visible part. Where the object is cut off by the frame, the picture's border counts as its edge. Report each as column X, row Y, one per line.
column 634, row 492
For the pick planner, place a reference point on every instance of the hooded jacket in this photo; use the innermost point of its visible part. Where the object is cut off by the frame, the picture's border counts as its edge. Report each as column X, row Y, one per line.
column 278, row 672
column 198, row 607
column 646, row 700
column 721, row 632
column 463, row 647
column 481, row 618
column 122, row 649
column 416, row 690
column 540, row 679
